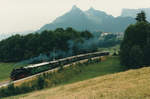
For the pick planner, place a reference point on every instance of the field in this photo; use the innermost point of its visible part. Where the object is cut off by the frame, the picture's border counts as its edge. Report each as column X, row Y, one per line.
column 5, row 69
column 132, row 84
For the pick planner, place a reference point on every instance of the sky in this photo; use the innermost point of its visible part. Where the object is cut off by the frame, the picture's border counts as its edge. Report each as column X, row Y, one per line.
column 26, row 15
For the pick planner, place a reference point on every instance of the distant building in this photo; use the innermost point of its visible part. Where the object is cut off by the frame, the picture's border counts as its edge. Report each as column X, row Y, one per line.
column 119, row 34
column 105, row 33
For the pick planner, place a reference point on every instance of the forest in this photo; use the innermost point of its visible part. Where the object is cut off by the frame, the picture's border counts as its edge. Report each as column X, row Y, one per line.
column 66, row 42
column 47, row 45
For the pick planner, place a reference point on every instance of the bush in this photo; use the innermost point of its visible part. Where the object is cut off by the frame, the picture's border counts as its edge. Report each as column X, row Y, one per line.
column 8, row 91
column 11, row 89
column 40, row 82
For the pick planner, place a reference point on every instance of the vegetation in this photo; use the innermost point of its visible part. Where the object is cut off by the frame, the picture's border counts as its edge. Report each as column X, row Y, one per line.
column 5, row 69
column 72, row 74
column 141, row 17
column 65, row 42
column 111, row 50
column 136, row 44
column 44, row 46
column 109, row 40
column 132, row 84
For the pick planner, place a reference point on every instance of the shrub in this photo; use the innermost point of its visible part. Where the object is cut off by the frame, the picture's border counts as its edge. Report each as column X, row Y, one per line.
column 40, row 82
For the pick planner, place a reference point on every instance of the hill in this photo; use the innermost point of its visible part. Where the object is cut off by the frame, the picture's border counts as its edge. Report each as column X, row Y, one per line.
column 93, row 20
column 132, row 84
column 133, row 12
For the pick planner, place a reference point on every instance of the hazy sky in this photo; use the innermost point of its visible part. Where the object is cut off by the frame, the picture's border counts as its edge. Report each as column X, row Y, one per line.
column 24, row 15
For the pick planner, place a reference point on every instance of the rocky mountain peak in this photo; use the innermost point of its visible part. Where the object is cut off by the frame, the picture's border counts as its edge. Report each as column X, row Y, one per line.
column 74, row 7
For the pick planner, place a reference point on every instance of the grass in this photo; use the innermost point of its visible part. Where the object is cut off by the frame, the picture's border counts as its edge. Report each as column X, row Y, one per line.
column 132, row 84
column 5, row 70
column 108, row 66
column 110, row 49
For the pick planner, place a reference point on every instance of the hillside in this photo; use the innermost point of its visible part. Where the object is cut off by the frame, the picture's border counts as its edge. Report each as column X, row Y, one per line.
column 132, row 84
column 93, row 20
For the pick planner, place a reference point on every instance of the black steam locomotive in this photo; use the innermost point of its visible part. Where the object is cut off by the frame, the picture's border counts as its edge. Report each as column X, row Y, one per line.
column 38, row 68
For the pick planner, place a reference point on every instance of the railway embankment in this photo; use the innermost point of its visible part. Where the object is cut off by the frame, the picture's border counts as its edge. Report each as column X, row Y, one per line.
column 75, row 73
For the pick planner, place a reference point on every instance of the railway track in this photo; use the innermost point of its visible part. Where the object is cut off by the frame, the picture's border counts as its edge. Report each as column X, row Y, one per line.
column 4, row 84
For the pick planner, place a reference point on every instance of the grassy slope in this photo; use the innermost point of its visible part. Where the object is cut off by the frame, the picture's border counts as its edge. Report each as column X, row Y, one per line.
column 5, row 69
column 132, row 84
column 109, row 66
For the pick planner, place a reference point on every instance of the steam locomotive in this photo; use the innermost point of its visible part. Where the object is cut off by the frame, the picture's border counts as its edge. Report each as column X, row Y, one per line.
column 38, row 68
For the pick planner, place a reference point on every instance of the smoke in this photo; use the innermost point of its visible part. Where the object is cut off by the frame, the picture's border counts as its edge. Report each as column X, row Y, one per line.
column 87, row 45
column 60, row 54
column 90, row 44
column 56, row 54
column 40, row 58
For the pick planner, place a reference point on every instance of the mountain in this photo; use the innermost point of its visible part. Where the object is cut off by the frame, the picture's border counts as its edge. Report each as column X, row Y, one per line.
column 108, row 23
column 133, row 12
column 75, row 18
column 93, row 20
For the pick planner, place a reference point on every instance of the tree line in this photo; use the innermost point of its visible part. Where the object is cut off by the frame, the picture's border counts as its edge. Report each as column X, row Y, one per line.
column 18, row 47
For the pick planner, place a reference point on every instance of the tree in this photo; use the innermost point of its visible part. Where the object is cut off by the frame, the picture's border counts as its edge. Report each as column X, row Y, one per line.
column 17, row 47
column 141, row 17
column 136, row 54
column 136, row 43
